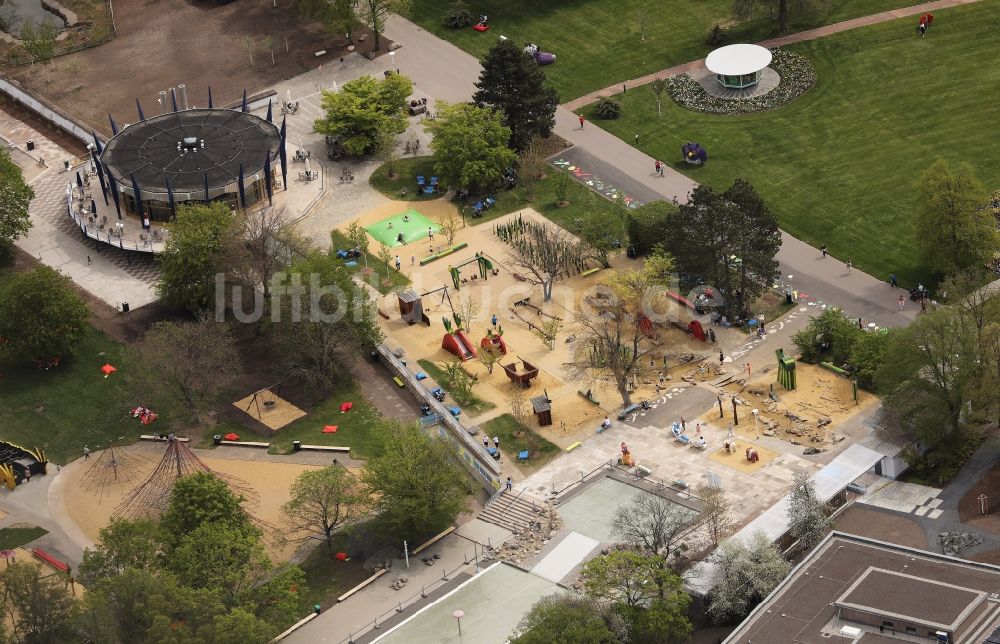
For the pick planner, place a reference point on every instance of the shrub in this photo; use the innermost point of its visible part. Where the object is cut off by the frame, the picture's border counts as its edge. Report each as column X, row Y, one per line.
column 608, row 108
column 458, row 16
column 716, row 36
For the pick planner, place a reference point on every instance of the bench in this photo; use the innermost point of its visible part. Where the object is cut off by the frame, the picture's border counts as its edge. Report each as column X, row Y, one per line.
column 588, row 397
column 590, row 271
column 432, row 541
column 522, row 456
column 362, row 585
column 154, row 437
column 246, row 443
column 326, row 448
column 829, row 366
column 682, row 485
column 623, row 414
column 399, row 381
column 574, row 446
column 49, row 559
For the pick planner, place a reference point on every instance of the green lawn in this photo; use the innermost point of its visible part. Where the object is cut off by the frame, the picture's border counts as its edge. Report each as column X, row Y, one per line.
column 354, row 428
column 541, row 451
column 471, row 406
column 598, row 42
column 407, row 170
column 838, row 165
column 384, row 278
column 11, row 538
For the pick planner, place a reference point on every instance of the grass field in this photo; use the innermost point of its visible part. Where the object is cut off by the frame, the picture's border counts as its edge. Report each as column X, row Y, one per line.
column 471, row 406
column 598, row 42
column 515, row 438
column 407, row 170
column 379, row 270
column 838, row 166
column 11, row 538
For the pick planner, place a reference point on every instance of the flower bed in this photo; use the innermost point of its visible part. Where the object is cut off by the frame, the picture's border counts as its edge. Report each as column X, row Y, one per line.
column 797, row 77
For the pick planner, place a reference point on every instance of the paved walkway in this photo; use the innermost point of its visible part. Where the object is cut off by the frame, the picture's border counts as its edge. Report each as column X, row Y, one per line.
column 801, row 36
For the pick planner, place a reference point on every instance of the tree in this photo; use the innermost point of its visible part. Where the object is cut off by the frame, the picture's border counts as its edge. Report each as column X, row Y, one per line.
column 324, row 321
column 645, row 225
column 643, row 12
column 563, row 619
column 547, row 331
column 662, row 622
column 828, row 334
column 544, row 251
column 560, row 187
column 221, row 557
column 513, row 83
column 926, row 376
column 268, row 44
column 466, row 306
column 123, row 544
column 531, row 166
column 748, row 572
column 808, row 522
column 386, row 152
column 470, row 145
column 868, row 354
column 238, row 627
column 717, row 514
column 458, row 379
column 249, row 42
column 955, row 229
column 449, row 224
column 363, row 110
column 727, row 241
column 780, row 10
column 385, row 256
column 39, row 609
column 602, row 234
column 989, row 384
column 517, row 402
column 627, row 577
column 610, row 340
column 259, row 245
column 202, row 498
column 41, row 316
column 374, row 12
column 15, row 196
column 39, row 40
column 489, row 356
column 323, row 501
column 658, row 86
column 652, row 524
column 194, row 255
column 186, row 359
column 358, row 236
column 417, row 482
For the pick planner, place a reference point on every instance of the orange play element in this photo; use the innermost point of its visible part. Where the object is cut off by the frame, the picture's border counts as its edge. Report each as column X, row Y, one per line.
column 330, row 429
column 341, row 556
column 346, row 407
column 496, row 341
column 107, row 370
column 626, row 457
column 232, row 436
column 458, row 343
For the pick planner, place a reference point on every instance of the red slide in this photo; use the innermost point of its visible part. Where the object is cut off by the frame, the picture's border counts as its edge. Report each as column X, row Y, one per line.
column 458, row 344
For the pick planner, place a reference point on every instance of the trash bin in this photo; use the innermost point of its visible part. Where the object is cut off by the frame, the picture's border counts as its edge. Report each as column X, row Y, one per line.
column 217, row 439
column 296, row 446
column 317, row 608
column 30, row 146
column 788, row 297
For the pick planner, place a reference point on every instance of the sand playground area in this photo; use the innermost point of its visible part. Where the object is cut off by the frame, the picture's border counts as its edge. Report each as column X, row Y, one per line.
column 268, row 481
column 520, row 311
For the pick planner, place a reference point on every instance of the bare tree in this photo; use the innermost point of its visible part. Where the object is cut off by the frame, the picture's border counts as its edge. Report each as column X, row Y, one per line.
column 268, row 44
column 543, row 251
column 468, row 309
column 489, row 356
column 517, row 402
column 659, row 87
column 386, row 152
column 652, row 524
column 374, row 12
column 531, row 167
column 259, row 245
column 717, row 514
column 643, row 12
column 385, row 256
column 449, row 223
column 322, row 501
column 548, row 331
column 249, row 42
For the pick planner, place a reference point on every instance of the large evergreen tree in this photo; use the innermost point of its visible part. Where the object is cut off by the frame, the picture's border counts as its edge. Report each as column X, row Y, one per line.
column 512, row 83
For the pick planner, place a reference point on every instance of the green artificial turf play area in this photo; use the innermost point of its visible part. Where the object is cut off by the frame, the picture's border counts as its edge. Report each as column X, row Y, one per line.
column 839, row 165
column 598, row 42
column 410, row 224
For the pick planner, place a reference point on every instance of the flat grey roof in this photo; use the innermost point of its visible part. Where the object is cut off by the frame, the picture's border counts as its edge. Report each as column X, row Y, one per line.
column 893, row 594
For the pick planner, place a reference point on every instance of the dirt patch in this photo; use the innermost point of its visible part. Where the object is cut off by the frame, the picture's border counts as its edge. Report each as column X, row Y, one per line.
column 52, row 132
column 990, row 557
column 882, row 526
column 198, row 43
column 970, row 510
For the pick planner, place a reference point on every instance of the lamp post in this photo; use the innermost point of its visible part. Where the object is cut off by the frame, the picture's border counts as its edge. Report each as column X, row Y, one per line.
column 392, row 61
column 756, row 428
column 458, row 615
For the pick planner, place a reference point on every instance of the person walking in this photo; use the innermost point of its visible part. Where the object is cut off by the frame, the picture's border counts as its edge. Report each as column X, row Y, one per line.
column 430, row 233
column 27, row 475
column 923, row 26
column 494, row 320
column 637, row 139
column 892, row 280
column 822, row 249
column 86, row 452
column 398, row 263
column 581, row 121
column 486, row 442
column 711, row 335
column 88, row 259
column 413, row 260
column 901, row 301
column 510, row 485
column 722, row 358
column 496, row 442
column 656, row 166
column 661, row 168
column 850, row 266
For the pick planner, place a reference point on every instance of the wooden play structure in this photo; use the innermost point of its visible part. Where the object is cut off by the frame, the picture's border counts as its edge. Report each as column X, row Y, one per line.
column 523, row 376
column 542, row 408
column 786, row 370
column 267, row 406
column 411, row 308
column 16, row 461
column 526, row 303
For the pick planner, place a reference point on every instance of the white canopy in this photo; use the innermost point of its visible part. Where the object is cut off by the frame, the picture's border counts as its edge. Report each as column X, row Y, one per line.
column 736, row 60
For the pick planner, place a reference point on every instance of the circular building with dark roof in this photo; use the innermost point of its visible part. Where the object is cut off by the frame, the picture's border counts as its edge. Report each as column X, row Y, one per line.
column 192, row 155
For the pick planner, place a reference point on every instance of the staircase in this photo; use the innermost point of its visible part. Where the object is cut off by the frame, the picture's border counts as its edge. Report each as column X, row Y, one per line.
column 513, row 511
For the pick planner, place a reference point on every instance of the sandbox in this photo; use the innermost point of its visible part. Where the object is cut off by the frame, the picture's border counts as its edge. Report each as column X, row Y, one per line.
column 270, row 481
column 738, row 458
column 270, row 409
column 410, row 224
